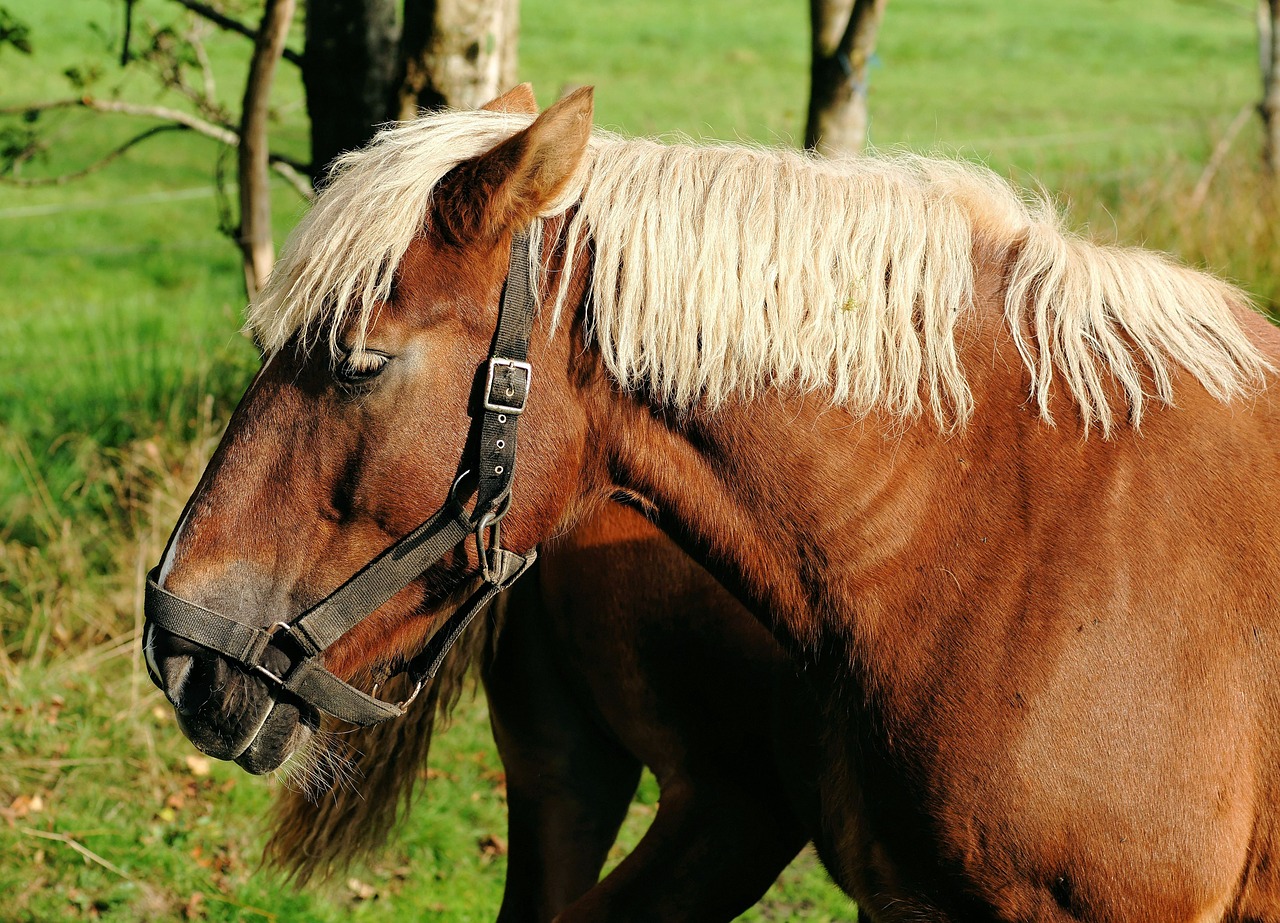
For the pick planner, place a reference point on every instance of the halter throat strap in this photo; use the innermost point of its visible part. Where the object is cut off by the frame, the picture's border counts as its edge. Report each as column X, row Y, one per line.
column 302, row 642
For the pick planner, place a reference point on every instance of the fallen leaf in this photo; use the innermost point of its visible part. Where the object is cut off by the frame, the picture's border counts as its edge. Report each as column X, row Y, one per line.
column 362, row 890
column 493, row 845
column 23, row 805
column 197, row 764
column 195, row 907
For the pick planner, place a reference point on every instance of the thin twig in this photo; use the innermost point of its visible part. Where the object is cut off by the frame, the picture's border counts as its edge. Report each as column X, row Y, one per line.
column 78, row 847
column 290, row 170
column 94, row 167
column 100, row 653
column 218, row 132
column 206, row 67
column 293, row 174
column 1220, row 151
column 247, row 908
column 218, row 18
column 37, row 762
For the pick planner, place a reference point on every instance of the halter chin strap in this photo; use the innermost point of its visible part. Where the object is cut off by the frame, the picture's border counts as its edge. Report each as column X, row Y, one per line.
column 301, row 643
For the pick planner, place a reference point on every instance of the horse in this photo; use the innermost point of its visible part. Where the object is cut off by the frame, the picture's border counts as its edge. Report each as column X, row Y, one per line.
column 1003, row 494
column 579, row 700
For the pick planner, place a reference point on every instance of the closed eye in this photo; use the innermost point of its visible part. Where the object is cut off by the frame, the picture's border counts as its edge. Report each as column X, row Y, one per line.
column 358, row 366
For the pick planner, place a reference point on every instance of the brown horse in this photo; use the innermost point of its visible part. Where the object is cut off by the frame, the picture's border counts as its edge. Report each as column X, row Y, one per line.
column 927, row 436
column 616, row 651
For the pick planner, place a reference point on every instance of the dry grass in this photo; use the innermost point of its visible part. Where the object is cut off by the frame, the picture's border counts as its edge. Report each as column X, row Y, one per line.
column 1232, row 231
column 77, row 590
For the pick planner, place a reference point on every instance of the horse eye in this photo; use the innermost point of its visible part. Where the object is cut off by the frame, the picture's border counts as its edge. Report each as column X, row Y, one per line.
column 359, row 366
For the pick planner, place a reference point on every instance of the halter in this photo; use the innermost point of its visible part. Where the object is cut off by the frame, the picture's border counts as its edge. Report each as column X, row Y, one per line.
column 304, row 640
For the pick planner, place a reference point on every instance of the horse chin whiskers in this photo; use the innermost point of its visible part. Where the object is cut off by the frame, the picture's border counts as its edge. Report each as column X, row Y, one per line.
column 322, row 764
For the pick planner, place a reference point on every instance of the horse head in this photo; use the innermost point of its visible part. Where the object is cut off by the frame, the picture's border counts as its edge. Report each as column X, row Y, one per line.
column 335, row 454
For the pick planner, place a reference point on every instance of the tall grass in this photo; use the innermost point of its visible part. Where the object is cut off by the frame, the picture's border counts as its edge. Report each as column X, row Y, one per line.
column 70, row 581
column 1233, row 231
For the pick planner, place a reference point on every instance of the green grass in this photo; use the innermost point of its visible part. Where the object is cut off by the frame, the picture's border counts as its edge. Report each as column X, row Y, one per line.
column 1030, row 86
column 113, row 773
column 120, row 356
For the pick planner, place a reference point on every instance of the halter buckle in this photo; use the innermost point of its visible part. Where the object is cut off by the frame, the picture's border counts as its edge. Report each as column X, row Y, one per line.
column 513, row 396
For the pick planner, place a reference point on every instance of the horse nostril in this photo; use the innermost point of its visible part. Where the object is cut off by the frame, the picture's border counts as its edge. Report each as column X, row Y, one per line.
column 201, row 678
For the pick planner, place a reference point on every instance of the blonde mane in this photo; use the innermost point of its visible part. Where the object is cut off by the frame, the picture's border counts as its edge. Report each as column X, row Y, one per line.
column 719, row 270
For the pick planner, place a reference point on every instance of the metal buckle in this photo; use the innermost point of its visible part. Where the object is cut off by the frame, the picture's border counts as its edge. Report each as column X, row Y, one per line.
column 513, row 409
column 271, row 634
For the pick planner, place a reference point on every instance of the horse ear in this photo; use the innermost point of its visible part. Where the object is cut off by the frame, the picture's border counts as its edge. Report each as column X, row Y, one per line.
column 516, row 181
column 517, row 99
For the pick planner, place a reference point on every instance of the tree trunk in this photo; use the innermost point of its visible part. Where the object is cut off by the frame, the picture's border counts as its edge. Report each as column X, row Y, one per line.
column 348, row 68
column 254, row 154
column 1269, row 63
column 843, row 37
column 458, row 53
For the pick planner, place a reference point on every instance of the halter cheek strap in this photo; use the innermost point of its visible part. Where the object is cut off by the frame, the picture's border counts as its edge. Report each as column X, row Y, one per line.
column 302, row 642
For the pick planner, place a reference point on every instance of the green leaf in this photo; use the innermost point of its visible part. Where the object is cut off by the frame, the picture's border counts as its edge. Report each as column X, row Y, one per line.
column 14, row 32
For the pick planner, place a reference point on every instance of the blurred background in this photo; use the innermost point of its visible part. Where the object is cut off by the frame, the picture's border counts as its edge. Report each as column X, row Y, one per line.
column 149, row 162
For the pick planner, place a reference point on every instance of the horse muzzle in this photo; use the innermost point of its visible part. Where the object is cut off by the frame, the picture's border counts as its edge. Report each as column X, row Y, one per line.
column 227, row 711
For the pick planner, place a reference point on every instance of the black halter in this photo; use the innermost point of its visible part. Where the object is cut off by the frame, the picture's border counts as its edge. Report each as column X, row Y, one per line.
column 506, row 388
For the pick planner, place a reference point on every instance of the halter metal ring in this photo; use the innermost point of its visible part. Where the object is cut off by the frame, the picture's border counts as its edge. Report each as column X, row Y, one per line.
column 258, row 667
column 457, row 483
column 413, row 695
column 491, row 519
column 404, row 703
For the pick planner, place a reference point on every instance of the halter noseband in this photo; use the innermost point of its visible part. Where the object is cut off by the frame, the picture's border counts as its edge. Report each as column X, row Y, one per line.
column 502, row 400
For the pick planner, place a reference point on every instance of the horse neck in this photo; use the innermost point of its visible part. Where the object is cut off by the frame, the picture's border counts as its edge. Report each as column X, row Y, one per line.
column 803, row 509
column 797, row 506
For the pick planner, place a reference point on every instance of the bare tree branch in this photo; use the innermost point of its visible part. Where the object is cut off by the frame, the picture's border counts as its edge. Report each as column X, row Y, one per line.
column 290, row 170
column 221, row 19
column 1219, row 155
column 295, row 175
column 206, row 66
column 94, row 167
column 255, row 193
column 167, row 54
column 128, row 33
column 205, row 127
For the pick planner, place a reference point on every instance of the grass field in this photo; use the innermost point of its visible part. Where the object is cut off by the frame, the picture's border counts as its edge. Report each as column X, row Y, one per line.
column 120, row 358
